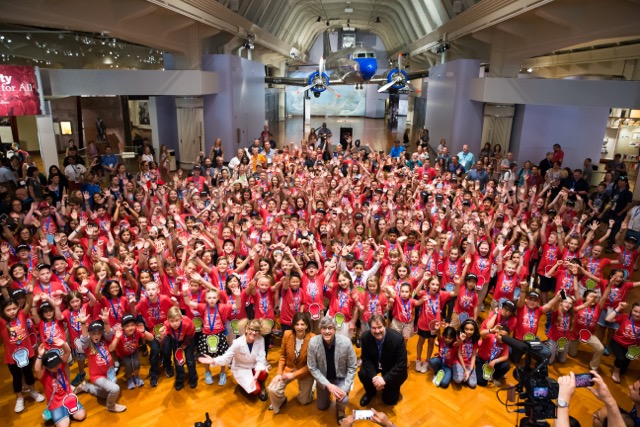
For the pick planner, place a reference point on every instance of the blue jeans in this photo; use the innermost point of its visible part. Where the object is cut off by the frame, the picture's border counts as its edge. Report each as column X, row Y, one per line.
column 436, row 364
column 458, row 376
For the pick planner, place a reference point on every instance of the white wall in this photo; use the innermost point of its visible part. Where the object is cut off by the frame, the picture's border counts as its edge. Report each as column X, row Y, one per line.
column 62, row 83
column 587, row 93
column 578, row 130
column 451, row 114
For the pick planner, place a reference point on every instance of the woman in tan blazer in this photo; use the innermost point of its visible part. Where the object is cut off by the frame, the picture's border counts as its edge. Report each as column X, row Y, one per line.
column 293, row 364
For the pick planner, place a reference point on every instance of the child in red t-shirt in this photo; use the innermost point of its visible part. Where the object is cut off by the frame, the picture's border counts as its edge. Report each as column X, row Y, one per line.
column 125, row 344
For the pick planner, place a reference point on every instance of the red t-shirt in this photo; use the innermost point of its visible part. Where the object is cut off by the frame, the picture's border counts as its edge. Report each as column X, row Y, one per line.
column 341, row 301
column 291, row 304
column 628, row 333
column 527, row 321
column 154, row 313
column 505, row 286
column 617, row 295
column 490, row 349
column 240, row 311
column 15, row 336
column 184, row 331
column 549, row 257
column 448, row 352
column 432, row 308
column 403, row 310
column 56, row 386
column 467, row 301
column 263, row 304
column 50, row 331
column 467, row 349
column 100, row 359
column 71, row 319
column 128, row 345
column 511, row 322
column 373, row 303
column 213, row 318
column 586, row 318
column 481, row 266
column 313, row 290
column 560, row 326
column 118, row 307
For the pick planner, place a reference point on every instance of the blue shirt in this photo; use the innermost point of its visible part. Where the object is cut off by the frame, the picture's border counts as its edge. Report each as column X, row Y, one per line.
column 466, row 160
column 396, row 151
column 109, row 160
column 481, row 176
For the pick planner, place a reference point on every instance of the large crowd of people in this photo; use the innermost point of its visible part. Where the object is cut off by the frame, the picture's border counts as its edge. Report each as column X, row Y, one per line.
column 313, row 249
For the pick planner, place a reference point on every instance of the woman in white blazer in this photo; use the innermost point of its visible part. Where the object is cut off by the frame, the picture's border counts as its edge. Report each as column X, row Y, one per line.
column 249, row 359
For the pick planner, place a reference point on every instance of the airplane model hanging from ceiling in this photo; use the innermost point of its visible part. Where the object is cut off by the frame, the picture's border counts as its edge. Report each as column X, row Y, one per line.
column 351, row 66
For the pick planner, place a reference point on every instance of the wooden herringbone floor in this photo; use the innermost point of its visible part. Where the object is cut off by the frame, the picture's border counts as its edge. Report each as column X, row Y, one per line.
column 423, row 404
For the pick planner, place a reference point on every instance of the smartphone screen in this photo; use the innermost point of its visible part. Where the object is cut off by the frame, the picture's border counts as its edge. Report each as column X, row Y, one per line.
column 362, row 414
column 584, row 380
column 563, row 294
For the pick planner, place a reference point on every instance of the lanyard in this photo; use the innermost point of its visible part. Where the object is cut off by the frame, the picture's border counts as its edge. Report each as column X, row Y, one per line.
column 62, row 383
column 593, row 265
column 565, row 322
column 155, row 310
column 633, row 327
column 468, row 348
column 531, row 315
column 373, row 302
column 233, row 302
column 495, row 350
column 482, row 262
column 296, row 299
column 75, row 323
column 626, row 258
column 177, row 336
column 18, row 342
column 264, row 301
column 52, row 333
column 342, row 299
column 21, row 285
column 221, row 282
column 48, row 288
column 406, row 308
column 589, row 315
column 506, row 284
column 434, row 305
column 215, row 316
column 104, row 354
column 116, row 309
column 171, row 282
column 66, row 287
column 313, row 288
column 466, row 301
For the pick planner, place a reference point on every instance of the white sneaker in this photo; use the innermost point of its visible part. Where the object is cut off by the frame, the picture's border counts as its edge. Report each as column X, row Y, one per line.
column 19, row 404
column 497, row 383
column 425, row 367
column 418, row 365
column 36, row 396
column 117, row 408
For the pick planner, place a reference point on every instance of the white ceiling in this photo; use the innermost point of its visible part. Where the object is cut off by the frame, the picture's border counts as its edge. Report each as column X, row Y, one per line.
column 505, row 33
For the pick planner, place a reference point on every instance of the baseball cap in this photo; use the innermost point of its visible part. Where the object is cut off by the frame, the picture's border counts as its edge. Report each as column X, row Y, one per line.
column 51, row 359
column 311, row 263
column 43, row 267
column 533, row 294
column 96, row 325
column 471, row 276
column 22, row 247
column 350, row 255
column 17, row 293
column 43, row 205
column 128, row 318
column 509, row 305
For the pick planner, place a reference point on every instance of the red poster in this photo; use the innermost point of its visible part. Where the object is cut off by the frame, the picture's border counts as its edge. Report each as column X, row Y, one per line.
column 19, row 95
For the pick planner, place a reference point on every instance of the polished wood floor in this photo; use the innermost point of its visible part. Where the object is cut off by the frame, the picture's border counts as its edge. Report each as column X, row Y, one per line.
column 422, row 405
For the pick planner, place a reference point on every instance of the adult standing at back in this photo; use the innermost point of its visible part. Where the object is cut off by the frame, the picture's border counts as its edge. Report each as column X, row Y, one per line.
column 383, row 352
column 558, row 154
column 333, row 363
column 466, row 158
column 621, row 199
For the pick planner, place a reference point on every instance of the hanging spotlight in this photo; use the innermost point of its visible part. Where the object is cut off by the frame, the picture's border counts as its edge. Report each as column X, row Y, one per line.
column 319, row 19
column 378, row 20
column 28, row 36
column 249, row 43
column 327, row 23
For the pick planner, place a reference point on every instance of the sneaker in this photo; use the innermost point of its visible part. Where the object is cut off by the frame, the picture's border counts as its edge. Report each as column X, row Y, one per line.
column 607, row 351
column 138, row 381
column 78, row 378
column 497, row 383
column 169, row 371
column 116, row 365
column 208, row 379
column 424, row 368
column 153, row 381
column 222, row 380
column 117, row 408
column 418, row 365
column 482, row 307
column 80, row 388
column 131, row 384
column 36, row 396
column 19, row 405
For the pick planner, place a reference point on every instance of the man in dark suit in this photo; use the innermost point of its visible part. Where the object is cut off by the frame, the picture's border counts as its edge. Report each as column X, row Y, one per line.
column 383, row 352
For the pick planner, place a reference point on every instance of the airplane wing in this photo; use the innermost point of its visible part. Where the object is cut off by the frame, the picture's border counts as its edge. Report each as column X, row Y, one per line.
column 297, row 81
column 418, row 74
column 290, row 81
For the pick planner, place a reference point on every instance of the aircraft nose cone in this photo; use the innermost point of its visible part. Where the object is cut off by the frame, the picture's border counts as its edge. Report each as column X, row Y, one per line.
column 368, row 68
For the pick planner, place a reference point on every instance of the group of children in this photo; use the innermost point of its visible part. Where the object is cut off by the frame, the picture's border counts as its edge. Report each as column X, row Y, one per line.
column 168, row 270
